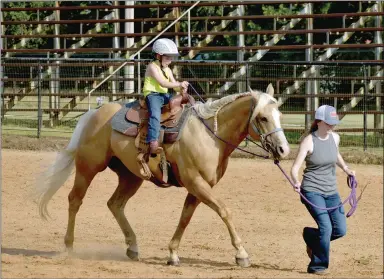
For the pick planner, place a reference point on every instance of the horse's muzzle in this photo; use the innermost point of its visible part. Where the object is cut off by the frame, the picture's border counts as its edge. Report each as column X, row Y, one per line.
column 281, row 151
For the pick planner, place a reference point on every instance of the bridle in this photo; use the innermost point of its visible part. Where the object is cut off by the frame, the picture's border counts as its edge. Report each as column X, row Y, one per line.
column 263, row 136
column 265, row 145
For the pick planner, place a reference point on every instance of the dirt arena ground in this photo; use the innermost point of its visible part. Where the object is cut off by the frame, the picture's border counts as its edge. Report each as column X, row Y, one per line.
column 266, row 211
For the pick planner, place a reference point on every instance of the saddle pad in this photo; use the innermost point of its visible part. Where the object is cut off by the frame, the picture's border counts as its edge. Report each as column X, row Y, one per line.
column 119, row 122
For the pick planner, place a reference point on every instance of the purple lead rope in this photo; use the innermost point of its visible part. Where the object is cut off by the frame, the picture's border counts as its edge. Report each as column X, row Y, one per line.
column 352, row 183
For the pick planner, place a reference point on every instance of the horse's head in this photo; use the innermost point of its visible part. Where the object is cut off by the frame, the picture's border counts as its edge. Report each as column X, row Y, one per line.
column 265, row 124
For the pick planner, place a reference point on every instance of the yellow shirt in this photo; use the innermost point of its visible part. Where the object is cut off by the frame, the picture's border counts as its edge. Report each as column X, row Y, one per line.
column 151, row 84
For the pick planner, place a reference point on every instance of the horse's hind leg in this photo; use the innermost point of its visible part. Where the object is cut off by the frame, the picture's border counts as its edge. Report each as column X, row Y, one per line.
column 128, row 186
column 75, row 198
column 190, row 204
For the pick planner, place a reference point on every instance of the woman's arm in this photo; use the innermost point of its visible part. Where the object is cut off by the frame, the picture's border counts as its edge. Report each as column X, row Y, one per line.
column 305, row 146
column 340, row 161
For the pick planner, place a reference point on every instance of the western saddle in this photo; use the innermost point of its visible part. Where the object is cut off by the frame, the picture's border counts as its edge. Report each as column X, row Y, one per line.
column 170, row 113
column 171, row 118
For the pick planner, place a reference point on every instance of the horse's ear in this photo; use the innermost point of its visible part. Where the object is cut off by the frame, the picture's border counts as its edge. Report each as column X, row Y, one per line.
column 250, row 89
column 270, row 90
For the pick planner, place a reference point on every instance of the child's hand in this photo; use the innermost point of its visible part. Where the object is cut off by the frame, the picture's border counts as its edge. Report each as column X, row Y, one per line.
column 184, row 84
column 183, row 91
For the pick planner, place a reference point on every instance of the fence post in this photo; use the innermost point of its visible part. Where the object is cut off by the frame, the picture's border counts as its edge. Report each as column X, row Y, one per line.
column 309, row 85
column 39, row 111
column 2, row 91
column 365, row 108
column 377, row 118
column 3, row 43
column 240, row 43
column 247, row 86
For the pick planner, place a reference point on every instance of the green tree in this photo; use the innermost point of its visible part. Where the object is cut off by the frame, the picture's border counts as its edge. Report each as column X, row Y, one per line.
column 25, row 29
column 204, row 25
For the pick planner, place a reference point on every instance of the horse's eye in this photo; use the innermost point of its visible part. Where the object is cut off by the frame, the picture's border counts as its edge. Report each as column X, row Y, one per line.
column 264, row 119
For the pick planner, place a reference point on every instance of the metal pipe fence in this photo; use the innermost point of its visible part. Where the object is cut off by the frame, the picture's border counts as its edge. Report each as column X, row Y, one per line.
column 206, row 48
column 46, row 96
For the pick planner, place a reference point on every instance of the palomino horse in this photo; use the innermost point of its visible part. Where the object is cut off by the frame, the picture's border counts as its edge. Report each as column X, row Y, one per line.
column 200, row 156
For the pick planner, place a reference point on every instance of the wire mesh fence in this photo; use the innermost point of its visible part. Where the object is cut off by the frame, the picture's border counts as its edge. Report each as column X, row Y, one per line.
column 46, row 96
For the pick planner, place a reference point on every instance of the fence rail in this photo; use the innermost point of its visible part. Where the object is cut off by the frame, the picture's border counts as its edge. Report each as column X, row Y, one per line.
column 206, row 48
column 153, row 5
column 194, row 18
column 205, row 33
column 45, row 96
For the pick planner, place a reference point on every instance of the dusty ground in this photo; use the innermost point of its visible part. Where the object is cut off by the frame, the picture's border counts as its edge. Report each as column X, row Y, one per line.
column 267, row 212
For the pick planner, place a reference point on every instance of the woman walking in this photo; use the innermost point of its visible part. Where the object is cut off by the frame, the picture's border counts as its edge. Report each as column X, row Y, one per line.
column 321, row 153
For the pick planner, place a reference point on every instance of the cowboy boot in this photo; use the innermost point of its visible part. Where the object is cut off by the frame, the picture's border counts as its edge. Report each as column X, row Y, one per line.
column 309, row 252
column 154, row 147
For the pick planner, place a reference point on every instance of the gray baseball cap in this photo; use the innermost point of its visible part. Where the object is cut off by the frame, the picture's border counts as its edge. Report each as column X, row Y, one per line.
column 327, row 114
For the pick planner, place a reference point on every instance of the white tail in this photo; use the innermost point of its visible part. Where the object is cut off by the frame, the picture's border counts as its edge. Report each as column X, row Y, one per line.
column 50, row 181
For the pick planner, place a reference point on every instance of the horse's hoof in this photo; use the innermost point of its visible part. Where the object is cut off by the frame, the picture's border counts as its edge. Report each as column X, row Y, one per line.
column 132, row 255
column 243, row 262
column 173, row 262
column 69, row 249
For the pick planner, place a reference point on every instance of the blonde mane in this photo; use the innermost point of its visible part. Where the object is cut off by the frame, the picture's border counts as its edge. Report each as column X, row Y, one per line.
column 212, row 108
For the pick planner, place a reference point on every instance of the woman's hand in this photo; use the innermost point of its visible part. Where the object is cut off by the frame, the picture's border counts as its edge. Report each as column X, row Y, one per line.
column 348, row 171
column 297, row 186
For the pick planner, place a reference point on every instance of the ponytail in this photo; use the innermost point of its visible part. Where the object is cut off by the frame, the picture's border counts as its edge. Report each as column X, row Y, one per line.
column 312, row 129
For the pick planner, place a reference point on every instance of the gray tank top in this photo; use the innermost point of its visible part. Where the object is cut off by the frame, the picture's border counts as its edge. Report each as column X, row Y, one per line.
column 320, row 172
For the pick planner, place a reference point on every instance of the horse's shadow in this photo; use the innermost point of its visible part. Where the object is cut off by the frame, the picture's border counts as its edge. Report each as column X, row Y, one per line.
column 116, row 255
column 184, row 261
column 84, row 254
column 273, row 267
column 29, row 253
column 196, row 262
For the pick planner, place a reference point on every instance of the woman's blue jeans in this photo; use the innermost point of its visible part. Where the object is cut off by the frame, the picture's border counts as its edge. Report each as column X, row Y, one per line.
column 154, row 103
column 331, row 225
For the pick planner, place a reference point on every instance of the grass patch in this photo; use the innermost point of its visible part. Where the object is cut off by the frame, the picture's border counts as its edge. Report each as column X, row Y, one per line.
column 69, row 124
column 25, row 142
column 345, row 139
column 54, row 143
column 352, row 155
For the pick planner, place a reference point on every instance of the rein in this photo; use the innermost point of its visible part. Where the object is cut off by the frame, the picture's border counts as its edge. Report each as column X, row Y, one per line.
column 230, row 144
column 263, row 137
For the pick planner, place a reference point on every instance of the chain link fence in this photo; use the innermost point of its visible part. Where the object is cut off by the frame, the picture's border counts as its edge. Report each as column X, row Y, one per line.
column 43, row 97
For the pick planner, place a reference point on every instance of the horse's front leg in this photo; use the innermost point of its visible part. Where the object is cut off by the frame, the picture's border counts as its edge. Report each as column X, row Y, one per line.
column 203, row 191
column 190, row 204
